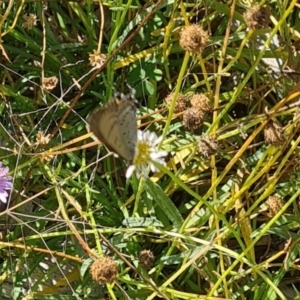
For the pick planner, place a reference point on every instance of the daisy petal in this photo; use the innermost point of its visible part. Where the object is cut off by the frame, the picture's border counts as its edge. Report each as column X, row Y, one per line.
column 130, row 171
column 158, row 154
column 159, row 140
column 153, row 168
column 146, row 153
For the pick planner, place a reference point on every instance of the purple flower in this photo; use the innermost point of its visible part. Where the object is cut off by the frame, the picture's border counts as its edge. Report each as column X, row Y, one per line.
column 5, row 183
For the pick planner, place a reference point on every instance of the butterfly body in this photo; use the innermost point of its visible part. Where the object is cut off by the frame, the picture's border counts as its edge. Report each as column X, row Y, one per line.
column 115, row 126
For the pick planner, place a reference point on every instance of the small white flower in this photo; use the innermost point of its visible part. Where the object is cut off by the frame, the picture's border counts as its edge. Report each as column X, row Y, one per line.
column 146, row 154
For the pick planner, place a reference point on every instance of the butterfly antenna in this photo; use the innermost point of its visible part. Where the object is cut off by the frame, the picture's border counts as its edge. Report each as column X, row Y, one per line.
column 131, row 95
column 132, row 91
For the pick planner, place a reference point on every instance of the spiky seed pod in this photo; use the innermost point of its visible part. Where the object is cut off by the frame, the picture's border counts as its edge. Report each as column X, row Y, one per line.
column 193, row 38
column 104, row 270
column 29, row 21
column 201, row 102
column 49, row 83
column 146, row 259
column 181, row 102
column 97, row 59
column 273, row 134
column 257, row 17
column 42, row 139
column 208, row 146
column 192, row 118
column 274, row 204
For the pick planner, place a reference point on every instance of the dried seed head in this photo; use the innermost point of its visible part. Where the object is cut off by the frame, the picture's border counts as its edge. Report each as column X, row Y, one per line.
column 46, row 157
column 146, row 259
column 192, row 118
column 49, row 83
column 30, row 21
column 104, row 270
column 275, row 204
column 181, row 102
column 193, row 38
column 297, row 45
column 208, row 146
column 273, row 134
column 97, row 59
column 42, row 139
column 201, row 102
column 257, row 17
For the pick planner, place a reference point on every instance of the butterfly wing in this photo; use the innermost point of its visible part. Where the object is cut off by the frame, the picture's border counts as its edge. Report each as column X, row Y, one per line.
column 127, row 131
column 115, row 126
column 102, row 121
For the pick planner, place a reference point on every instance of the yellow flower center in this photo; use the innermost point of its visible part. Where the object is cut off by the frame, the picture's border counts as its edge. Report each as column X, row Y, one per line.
column 143, row 154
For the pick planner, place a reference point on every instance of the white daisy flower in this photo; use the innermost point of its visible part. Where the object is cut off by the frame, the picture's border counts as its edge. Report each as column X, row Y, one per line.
column 146, row 154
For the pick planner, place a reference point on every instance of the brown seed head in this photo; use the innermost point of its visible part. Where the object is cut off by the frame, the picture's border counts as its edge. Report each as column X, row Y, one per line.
column 104, row 270
column 192, row 118
column 275, row 204
column 181, row 102
column 97, row 59
column 208, row 146
column 46, row 157
column 201, row 102
column 146, row 259
column 257, row 17
column 193, row 38
column 29, row 21
column 42, row 139
column 273, row 134
column 49, row 83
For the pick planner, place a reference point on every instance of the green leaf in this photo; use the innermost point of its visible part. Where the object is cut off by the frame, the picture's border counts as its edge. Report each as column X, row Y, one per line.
column 164, row 202
column 84, row 267
column 142, row 222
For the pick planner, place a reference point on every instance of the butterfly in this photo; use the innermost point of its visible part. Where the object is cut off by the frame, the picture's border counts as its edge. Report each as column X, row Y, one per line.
column 115, row 125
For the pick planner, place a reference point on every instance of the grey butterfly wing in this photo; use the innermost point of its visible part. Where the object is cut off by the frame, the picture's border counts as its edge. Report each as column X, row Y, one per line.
column 126, row 132
column 115, row 126
column 102, row 121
